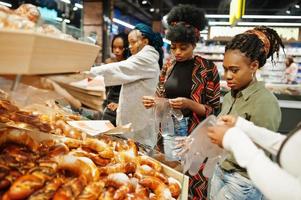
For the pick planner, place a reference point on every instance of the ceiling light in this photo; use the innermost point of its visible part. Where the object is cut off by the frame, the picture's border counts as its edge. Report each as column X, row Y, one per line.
column 278, row 24
column 66, row 1
column 270, row 17
column 118, row 21
column 123, row 23
column 5, row 4
column 297, row 6
column 144, row 2
column 288, row 12
column 219, row 23
column 75, row 8
column 67, row 21
column 151, row 9
column 268, row 24
column 59, row 19
column 78, row 5
column 217, row 16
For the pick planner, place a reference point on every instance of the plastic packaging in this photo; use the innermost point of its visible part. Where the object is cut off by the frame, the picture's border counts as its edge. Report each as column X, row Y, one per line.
column 163, row 118
column 199, row 148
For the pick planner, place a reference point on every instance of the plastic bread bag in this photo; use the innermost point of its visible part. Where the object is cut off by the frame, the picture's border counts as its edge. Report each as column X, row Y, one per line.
column 197, row 147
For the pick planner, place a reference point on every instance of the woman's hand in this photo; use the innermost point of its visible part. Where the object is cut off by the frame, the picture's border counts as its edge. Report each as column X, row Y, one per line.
column 179, row 103
column 228, row 120
column 112, row 106
column 148, row 101
column 217, row 133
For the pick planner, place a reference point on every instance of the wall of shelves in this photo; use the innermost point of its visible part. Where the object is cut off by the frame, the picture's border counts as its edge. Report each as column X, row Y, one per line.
column 269, row 73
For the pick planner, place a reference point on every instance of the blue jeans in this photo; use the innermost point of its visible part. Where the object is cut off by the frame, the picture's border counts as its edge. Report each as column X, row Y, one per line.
column 181, row 127
column 224, row 186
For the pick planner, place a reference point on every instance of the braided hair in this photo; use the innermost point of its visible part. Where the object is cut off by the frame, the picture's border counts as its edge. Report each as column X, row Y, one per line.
column 185, row 22
column 253, row 47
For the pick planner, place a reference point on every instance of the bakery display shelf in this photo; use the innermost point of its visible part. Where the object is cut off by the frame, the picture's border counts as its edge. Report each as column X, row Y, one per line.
column 28, row 52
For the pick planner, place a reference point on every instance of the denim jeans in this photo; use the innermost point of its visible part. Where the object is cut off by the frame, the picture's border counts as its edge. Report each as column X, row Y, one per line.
column 224, row 185
column 181, row 127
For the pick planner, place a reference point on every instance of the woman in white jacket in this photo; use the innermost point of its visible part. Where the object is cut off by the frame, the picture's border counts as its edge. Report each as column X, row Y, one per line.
column 138, row 75
column 277, row 181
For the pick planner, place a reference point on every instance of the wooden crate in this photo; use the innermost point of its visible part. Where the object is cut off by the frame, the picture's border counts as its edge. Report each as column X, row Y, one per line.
column 26, row 52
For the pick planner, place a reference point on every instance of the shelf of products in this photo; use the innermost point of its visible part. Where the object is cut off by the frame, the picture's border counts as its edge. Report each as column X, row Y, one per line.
column 270, row 73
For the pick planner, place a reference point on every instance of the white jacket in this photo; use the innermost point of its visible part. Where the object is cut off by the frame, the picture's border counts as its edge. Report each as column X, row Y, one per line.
column 138, row 75
column 275, row 182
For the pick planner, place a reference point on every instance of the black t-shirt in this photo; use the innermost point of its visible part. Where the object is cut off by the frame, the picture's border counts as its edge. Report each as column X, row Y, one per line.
column 179, row 82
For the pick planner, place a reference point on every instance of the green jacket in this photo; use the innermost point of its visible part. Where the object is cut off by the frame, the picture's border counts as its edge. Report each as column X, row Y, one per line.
column 256, row 104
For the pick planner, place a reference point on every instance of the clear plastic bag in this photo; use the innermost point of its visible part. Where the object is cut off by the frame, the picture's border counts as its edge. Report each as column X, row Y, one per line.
column 163, row 119
column 199, row 148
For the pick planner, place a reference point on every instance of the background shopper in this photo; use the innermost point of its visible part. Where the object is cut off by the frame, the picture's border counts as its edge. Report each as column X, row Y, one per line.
column 138, row 76
column 291, row 70
column 120, row 50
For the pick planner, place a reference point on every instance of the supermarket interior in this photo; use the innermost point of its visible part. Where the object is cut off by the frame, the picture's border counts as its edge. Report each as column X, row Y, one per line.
column 144, row 99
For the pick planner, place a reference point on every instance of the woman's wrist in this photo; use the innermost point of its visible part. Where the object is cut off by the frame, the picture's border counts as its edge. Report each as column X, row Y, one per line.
column 195, row 107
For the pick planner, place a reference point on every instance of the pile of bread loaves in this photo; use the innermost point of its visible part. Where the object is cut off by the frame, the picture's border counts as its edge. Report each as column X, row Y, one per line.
column 25, row 18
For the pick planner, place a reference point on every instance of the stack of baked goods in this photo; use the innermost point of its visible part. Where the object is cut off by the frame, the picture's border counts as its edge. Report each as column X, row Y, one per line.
column 56, row 124
column 26, row 17
column 88, row 169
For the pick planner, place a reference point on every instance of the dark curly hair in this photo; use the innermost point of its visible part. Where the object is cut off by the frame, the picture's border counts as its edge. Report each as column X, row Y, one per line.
column 124, row 37
column 253, row 47
column 185, row 22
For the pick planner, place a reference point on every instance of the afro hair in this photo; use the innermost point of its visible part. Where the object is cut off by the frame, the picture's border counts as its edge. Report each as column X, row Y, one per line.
column 187, row 18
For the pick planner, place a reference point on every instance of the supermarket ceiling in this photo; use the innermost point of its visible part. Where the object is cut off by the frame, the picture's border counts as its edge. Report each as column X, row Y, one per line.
column 143, row 8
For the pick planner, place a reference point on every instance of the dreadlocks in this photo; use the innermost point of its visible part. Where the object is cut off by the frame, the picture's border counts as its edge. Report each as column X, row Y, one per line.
column 254, row 47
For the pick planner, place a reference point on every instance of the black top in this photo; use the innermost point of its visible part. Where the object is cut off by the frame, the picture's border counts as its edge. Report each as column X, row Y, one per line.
column 112, row 93
column 179, row 82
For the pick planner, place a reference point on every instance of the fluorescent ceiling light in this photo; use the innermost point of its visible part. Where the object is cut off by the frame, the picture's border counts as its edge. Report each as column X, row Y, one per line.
column 281, row 24
column 151, row 9
column 270, row 17
column 59, row 19
column 67, row 21
column 217, row 16
column 297, row 6
column 5, row 4
column 268, row 24
column 66, row 1
column 144, row 2
column 79, row 5
column 75, row 8
column 254, row 17
column 118, row 21
column 219, row 23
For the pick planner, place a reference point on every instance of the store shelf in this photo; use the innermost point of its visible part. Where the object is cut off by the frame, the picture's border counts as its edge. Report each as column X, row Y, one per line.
column 27, row 52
